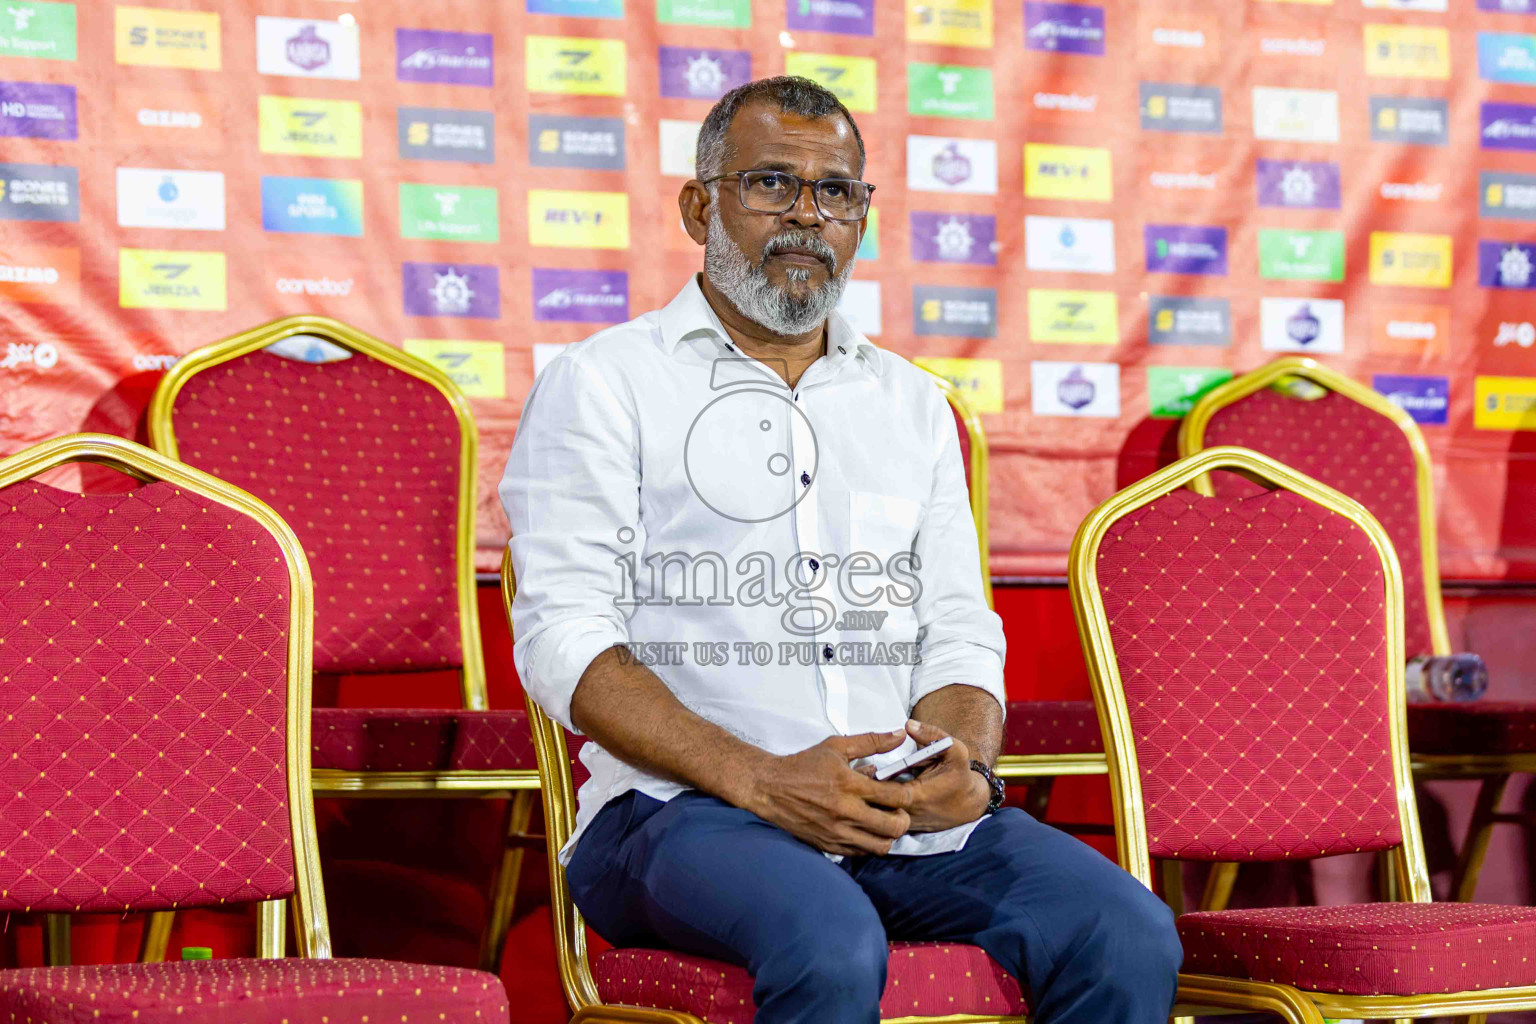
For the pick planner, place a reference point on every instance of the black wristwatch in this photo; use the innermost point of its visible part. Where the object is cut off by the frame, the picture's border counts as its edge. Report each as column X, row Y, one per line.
column 994, row 784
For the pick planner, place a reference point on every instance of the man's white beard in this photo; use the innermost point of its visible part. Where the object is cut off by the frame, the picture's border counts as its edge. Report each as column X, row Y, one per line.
column 759, row 299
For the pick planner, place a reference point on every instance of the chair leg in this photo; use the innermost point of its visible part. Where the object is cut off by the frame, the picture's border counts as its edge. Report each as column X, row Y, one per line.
column 157, row 936
column 493, row 941
column 1479, row 831
column 1218, row 886
column 1171, row 872
column 56, row 940
column 1037, row 796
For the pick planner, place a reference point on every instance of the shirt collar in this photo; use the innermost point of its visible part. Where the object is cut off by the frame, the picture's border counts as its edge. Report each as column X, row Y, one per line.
column 689, row 315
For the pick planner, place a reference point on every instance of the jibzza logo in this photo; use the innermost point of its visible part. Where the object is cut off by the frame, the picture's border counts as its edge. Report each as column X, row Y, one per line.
column 457, row 213
column 572, row 64
column 850, row 79
column 949, row 90
column 162, row 279
column 309, row 127
column 1073, row 317
column 477, row 367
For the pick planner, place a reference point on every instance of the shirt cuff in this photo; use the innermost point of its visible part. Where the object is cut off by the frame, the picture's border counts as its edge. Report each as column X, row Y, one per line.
column 556, row 659
column 984, row 672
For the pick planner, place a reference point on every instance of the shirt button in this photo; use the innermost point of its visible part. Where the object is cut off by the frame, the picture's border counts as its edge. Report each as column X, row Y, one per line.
column 826, row 652
column 815, row 565
column 805, row 479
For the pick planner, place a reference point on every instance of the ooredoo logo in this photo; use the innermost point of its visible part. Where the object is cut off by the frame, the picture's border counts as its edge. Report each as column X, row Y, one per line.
column 314, row 286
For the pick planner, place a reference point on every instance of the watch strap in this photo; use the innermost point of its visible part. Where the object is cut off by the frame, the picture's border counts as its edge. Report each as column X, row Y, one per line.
column 994, row 784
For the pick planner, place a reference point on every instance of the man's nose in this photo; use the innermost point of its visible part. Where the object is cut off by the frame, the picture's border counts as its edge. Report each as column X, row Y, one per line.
column 803, row 213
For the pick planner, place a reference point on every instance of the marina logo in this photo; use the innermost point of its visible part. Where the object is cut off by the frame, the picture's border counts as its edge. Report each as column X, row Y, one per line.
column 1064, row 28
column 583, row 296
column 1426, row 399
column 449, row 58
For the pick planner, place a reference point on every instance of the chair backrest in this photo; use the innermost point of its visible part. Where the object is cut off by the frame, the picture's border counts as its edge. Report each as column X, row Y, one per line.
column 1350, row 438
column 154, row 680
column 973, row 452
column 371, row 459
column 1246, row 660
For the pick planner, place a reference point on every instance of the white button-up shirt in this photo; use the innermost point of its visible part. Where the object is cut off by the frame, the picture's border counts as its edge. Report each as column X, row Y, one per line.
column 792, row 563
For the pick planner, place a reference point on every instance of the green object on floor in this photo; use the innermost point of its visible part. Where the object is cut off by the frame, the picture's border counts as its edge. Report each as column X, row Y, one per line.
column 196, row 953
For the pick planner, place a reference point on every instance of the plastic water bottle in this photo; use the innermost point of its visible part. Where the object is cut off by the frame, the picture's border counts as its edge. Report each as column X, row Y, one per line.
column 1446, row 677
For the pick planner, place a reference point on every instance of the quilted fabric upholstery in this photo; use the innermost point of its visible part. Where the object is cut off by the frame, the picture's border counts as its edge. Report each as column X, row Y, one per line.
column 1482, row 727
column 143, row 666
column 1350, row 448
column 1251, row 641
column 252, row 992
column 386, row 740
column 1052, row 727
column 1367, row 949
column 362, row 460
column 923, row 979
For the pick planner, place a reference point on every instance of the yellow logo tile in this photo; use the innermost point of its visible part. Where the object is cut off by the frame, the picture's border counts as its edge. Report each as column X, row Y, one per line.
column 479, row 368
column 1414, row 261
column 166, row 279
column 578, row 220
column 307, row 127
column 1073, row 317
column 168, row 39
column 980, row 380
column 851, row 79
column 1067, row 172
column 573, row 64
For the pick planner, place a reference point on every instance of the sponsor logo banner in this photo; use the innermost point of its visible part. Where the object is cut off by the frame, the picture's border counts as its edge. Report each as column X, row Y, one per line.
column 1426, row 399
column 678, row 143
column 570, row 64
column 34, row 28
column 1412, row 191
column 1189, row 321
column 1064, row 28
column 167, row 279
column 1290, row 46
column 458, row 136
column 951, row 22
column 711, row 13
column 949, row 90
column 954, row 312
column 450, row 58
column 1172, row 391
column 1407, row 51
column 1073, row 317
column 1413, row 332
column 304, row 48
column 578, row 8
column 184, row 200
column 850, row 79
column 954, row 237
column 308, row 127
column 39, row 275
column 1295, row 115
column 578, row 220
column 312, row 206
column 1410, row 120
column 1291, row 255
column 182, row 122
column 1074, row 245
column 42, row 356
column 1507, row 57
column 479, row 368
column 1406, row 5
column 35, row 110
column 583, row 296
column 1508, row 6
column 451, row 289
column 593, row 143
column 153, row 37
column 1506, row 265
column 1504, row 403
column 951, row 165
column 860, row 307
column 39, row 192
column 1508, row 196
column 979, row 380
column 1173, row 107
column 1301, row 325
column 1074, row 389
column 314, row 287
column 702, row 74
column 451, row 213
column 849, row 17
column 1298, row 183
column 1508, row 126
column 1515, row 332
column 1067, row 172
column 1065, row 103
column 1414, row 261
column 869, row 245
column 1185, row 249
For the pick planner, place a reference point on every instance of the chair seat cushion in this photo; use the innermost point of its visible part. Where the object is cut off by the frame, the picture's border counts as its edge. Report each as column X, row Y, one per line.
column 1052, row 727
column 1367, row 949
column 1476, row 727
column 252, row 992
column 929, row 979
column 393, row 740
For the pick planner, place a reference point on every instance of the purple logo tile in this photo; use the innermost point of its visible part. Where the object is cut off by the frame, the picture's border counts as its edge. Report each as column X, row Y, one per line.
column 38, row 111
column 1298, row 184
column 1506, row 265
column 1426, row 399
column 1508, row 6
column 587, row 296
column 1508, row 126
column 1186, row 249
column 850, row 17
column 451, row 289
column 454, row 58
column 698, row 74
column 1064, row 28
column 954, row 237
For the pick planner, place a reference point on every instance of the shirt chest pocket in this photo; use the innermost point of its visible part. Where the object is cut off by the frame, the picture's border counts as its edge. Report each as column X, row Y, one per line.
column 881, row 524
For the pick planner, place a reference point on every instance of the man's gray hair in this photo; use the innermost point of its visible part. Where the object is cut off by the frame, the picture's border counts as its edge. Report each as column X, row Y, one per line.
column 792, row 95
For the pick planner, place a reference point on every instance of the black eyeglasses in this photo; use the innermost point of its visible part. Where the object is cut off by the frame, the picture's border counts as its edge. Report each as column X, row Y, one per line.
column 777, row 191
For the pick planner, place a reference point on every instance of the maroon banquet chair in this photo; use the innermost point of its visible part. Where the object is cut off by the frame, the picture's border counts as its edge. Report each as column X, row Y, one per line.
column 154, row 680
column 1346, row 435
column 370, row 455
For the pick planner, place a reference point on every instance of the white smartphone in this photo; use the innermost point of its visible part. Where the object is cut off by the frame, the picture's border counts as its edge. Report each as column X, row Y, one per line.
column 921, row 756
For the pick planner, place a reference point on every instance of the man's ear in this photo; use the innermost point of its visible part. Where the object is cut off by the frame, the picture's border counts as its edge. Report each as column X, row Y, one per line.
column 693, row 203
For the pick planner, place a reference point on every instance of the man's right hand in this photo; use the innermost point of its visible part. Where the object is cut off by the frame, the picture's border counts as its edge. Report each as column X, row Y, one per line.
column 816, row 797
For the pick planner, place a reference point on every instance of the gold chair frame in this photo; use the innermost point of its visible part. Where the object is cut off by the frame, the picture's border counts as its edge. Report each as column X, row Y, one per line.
column 1205, row 994
column 310, row 925
column 516, row 786
column 1493, row 769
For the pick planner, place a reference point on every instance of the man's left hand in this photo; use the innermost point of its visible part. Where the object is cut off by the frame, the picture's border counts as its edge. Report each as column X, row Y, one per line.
column 947, row 793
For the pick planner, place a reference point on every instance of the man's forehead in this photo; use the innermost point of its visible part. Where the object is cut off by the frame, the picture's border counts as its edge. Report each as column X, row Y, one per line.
column 762, row 135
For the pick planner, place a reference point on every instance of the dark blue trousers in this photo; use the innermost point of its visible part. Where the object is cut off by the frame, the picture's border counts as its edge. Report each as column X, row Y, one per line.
column 1089, row 942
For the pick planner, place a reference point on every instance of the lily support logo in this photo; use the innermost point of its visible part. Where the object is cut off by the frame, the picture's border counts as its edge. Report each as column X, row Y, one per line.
column 1291, row 255
column 450, row 213
column 1172, row 391
column 575, row 65
column 37, row 29
column 449, row 58
column 161, row 279
column 949, row 90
